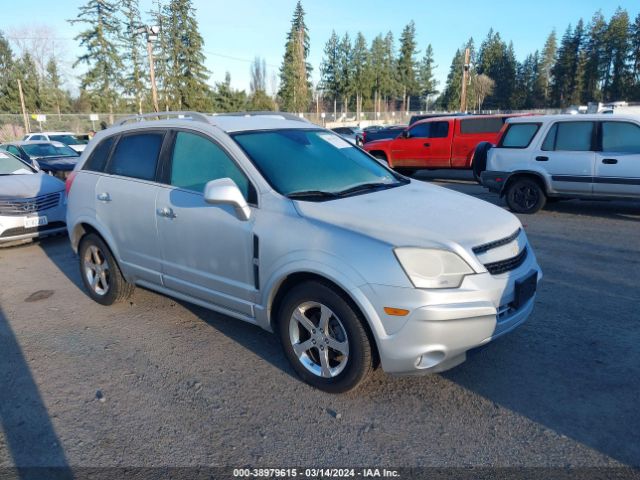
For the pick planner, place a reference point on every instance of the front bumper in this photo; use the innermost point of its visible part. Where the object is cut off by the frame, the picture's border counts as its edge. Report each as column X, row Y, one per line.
column 12, row 228
column 494, row 181
column 444, row 324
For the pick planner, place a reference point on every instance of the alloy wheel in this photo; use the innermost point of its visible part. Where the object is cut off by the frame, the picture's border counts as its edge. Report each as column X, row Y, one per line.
column 96, row 270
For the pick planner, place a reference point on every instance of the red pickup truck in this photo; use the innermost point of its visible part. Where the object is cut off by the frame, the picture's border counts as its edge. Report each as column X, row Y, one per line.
column 443, row 142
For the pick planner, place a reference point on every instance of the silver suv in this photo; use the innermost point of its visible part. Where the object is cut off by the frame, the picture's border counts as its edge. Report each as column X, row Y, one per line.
column 275, row 221
column 565, row 156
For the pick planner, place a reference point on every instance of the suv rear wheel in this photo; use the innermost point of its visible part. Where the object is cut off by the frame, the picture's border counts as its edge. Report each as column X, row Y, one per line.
column 525, row 195
column 323, row 338
column 100, row 273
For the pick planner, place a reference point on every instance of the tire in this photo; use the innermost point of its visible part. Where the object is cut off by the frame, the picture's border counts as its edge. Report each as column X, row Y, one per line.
column 380, row 156
column 525, row 195
column 97, row 262
column 479, row 162
column 336, row 361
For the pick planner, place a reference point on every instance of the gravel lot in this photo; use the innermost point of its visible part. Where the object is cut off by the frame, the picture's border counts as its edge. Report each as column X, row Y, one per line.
column 158, row 382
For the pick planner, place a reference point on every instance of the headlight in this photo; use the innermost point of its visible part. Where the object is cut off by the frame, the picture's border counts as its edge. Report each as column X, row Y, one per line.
column 431, row 268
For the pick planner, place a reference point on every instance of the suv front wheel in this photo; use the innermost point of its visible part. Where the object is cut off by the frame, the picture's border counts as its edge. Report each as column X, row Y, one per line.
column 525, row 195
column 323, row 338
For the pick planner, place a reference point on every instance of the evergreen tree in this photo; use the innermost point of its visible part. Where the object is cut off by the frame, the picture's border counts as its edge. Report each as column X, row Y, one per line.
column 134, row 84
column 406, row 64
column 54, row 98
column 545, row 70
column 635, row 57
column 226, row 99
column 101, row 82
column 345, row 79
column 450, row 98
column 295, row 84
column 426, row 80
column 9, row 98
column 186, row 77
column 330, row 68
column 390, row 87
column 161, row 52
column 595, row 58
column 566, row 84
column 259, row 100
column 497, row 61
column 618, row 81
column 27, row 72
column 361, row 71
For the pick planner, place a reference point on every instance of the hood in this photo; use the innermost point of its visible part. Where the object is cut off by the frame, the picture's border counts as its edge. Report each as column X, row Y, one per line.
column 378, row 142
column 28, row 186
column 79, row 147
column 417, row 214
column 58, row 163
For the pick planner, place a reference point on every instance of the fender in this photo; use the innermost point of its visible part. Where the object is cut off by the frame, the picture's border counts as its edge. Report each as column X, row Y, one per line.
column 75, row 234
column 539, row 173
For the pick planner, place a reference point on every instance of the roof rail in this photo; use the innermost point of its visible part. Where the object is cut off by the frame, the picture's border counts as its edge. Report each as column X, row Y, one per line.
column 285, row 115
column 198, row 117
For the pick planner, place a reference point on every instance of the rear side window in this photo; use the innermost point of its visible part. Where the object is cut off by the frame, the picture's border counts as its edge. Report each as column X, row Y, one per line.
column 197, row 161
column 519, row 135
column 136, row 156
column 98, row 158
column 470, row 126
column 569, row 136
column 621, row 137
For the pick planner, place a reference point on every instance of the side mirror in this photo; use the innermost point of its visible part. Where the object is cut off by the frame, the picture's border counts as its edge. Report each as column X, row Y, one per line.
column 224, row 191
column 405, row 134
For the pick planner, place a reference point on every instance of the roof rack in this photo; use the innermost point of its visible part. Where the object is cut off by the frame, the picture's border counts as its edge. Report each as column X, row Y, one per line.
column 284, row 115
column 198, row 117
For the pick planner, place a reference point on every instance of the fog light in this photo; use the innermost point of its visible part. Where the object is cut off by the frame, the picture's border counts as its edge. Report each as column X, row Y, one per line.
column 430, row 359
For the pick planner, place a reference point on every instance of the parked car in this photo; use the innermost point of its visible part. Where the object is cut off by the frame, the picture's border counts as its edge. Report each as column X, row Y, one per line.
column 350, row 134
column 426, row 116
column 31, row 203
column 54, row 158
column 443, row 142
column 68, row 138
column 558, row 156
column 280, row 223
column 378, row 132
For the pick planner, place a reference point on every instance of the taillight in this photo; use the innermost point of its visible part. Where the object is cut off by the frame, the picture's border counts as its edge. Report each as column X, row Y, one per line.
column 69, row 182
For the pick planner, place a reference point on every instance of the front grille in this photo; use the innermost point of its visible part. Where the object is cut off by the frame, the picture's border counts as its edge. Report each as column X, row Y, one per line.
column 495, row 244
column 507, row 265
column 21, row 207
column 12, row 232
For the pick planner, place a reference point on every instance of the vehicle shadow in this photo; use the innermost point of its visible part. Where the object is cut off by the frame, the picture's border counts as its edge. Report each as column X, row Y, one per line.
column 29, row 434
column 627, row 210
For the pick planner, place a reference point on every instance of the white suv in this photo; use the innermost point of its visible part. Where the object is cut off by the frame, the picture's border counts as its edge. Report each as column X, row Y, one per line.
column 561, row 156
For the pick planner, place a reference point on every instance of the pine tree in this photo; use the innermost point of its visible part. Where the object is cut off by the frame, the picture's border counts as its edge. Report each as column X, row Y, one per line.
column 406, row 64
column 102, row 80
column 186, row 78
column 595, row 58
column 361, row 72
column 635, row 57
column 565, row 69
column 54, row 98
column 345, row 79
column 9, row 98
column 295, row 84
column 617, row 83
column 497, row 61
column 330, row 68
column 226, row 99
column 134, row 84
column 426, row 80
column 450, row 98
column 545, row 71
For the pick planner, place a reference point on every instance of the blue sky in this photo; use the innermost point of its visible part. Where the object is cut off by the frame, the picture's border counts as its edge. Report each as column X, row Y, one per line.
column 235, row 32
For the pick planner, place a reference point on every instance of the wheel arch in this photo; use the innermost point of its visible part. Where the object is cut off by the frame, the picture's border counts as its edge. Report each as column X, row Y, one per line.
column 83, row 228
column 536, row 176
column 288, row 282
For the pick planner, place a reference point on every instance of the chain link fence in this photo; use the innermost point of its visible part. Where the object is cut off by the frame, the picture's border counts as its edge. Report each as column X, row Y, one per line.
column 12, row 125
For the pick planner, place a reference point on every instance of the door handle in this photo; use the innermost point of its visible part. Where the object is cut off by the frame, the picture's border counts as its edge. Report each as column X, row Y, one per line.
column 166, row 212
column 104, row 197
column 610, row 161
column 427, row 144
column 542, row 158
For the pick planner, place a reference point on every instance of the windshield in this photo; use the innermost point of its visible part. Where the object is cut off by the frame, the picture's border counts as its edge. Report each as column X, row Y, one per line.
column 298, row 161
column 66, row 139
column 40, row 150
column 10, row 165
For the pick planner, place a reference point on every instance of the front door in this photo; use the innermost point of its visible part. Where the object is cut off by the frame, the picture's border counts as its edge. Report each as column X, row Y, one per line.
column 425, row 145
column 567, row 154
column 207, row 251
column 618, row 164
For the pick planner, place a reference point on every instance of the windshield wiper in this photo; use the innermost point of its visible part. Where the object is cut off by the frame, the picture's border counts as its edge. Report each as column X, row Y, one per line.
column 305, row 194
column 364, row 187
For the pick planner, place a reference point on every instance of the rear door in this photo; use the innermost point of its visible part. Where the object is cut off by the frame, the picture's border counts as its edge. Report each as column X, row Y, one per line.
column 428, row 145
column 567, row 155
column 618, row 163
column 469, row 132
column 126, row 202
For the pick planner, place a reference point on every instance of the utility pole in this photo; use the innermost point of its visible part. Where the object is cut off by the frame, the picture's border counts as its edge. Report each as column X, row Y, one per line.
column 465, row 79
column 152, row 35
column 24, row 109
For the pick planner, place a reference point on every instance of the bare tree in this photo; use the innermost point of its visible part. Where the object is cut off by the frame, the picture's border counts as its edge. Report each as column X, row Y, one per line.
column 39, row 41
column 258, row 71
column 482, row 86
